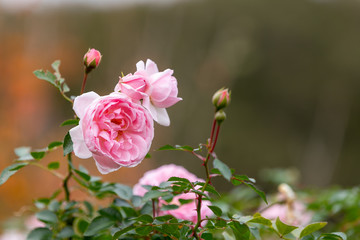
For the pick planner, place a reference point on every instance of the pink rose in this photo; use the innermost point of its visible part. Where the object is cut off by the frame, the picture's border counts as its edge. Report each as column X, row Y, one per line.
column 115, row 131
column 158, row 90
column 162, row 174
column 92, row 59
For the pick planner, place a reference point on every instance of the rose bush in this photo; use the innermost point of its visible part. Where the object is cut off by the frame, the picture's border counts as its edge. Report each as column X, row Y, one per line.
column 115, row 131
column 157, row 90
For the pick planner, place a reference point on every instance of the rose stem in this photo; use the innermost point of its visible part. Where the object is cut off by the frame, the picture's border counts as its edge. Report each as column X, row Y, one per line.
column 210, row 150
column 84, row 82
column 67, row 178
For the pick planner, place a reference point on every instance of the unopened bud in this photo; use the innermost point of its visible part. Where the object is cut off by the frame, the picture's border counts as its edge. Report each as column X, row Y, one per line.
column 220, row 116
column 92, row 59
column 221, row 98
column 287, row 191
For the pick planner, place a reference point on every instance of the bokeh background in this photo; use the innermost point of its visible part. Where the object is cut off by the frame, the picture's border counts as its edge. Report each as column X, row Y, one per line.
column 293, row 67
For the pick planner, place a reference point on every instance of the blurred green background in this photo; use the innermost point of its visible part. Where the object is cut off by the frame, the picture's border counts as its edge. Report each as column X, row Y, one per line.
column 292, row 67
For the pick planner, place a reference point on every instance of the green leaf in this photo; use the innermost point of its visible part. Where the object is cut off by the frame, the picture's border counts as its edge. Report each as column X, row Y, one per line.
column 167, row 147
column 169, row 207
column 122, row 231
column 164, row 218
column 55, row 65
column 47, row 76
column 54, row 145
column 259, row 192
column 170, row 228
column 179, row 179
column 153, row 194
column 40, row 234
column 10, row 170
column 123, row 191
column 207, row 236
column 223, row 168
column 333, row 236
column 216, row 210
column 260, row 220
column 38, row 155
column 111, row 213
column 144, row 218
column 80, row 225
column 220, row 223
column 67, row 145
column 143, row 231
column 66, row 232
column 98, row 224
column 239, row 179
column 70, row 122
column 53, row 165
column 283, row 228
column 241, row 231
column 312, row 228
column 83, row 175
column 47, row 216
column 177, row 147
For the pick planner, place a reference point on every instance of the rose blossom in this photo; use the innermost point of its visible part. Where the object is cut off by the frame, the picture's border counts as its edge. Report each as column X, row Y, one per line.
column 186, row 211
column 158, row 90
column 115, row 131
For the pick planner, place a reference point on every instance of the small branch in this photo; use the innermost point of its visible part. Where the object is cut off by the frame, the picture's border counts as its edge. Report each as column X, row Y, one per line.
column 66, row 180
column 59, row 175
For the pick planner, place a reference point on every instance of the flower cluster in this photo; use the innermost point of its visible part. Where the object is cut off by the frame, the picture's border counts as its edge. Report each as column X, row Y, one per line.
column 117, row 129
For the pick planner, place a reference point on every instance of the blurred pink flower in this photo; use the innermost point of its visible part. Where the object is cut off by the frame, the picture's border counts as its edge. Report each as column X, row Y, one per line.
column 293, row 214
column 162, row 174
column 115, row 131
column 158, row 90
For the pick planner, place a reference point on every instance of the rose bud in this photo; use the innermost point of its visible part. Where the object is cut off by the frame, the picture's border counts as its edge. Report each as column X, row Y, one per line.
column 221, row 98
column 92, row 59
column 220, row 116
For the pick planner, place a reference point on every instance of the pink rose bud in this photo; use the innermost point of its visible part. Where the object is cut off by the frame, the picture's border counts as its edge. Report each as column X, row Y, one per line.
column 92, row 59
column 220, row 116
column 221, row 98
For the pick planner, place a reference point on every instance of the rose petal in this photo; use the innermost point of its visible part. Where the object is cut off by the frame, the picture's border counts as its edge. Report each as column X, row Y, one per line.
column 159, row 115
column 140, row 65
column 151, row 67
column 105, row 165
column 82, row 102
column 79, row 146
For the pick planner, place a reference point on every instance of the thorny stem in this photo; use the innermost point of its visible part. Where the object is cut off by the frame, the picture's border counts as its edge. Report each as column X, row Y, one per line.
column 66, row 180
column 84, row 82
column 211, row 148
column 212, row 131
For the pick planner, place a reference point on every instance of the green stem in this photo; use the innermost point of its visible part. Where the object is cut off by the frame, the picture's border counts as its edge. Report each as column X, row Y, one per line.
column 45, row 168
column 66, row 180
column 66, row 97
